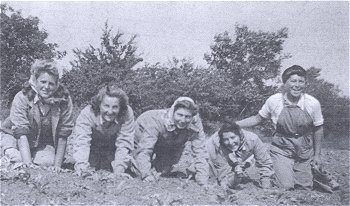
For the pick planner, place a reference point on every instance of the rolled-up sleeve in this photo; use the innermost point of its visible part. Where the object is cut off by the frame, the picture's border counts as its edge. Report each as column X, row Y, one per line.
column 82, row 136
column 124, row 143
column 200, row 155
column 66, row 122
column 316, row 114
column 265, row 110
column 19, row 116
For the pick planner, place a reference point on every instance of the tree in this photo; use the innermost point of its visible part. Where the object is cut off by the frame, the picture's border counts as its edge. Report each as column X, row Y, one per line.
column 95, row 67
column 247, row 61
column 335, row 108
column 21, row 43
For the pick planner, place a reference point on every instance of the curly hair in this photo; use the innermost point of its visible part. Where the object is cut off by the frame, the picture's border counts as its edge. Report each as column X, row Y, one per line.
column 229, row 127
column 41, row 66
column 187, row 105
column 111, row 91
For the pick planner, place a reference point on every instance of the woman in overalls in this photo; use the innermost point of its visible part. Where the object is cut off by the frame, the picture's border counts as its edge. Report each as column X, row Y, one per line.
column 103, row 134
column 298, row 121
column 40, row 119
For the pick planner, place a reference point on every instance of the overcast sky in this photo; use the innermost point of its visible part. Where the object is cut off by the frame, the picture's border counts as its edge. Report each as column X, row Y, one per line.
column 318, row 31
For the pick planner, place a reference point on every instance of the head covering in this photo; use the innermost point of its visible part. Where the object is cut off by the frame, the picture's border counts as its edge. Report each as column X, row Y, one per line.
column 169, row 118
column 295, row 69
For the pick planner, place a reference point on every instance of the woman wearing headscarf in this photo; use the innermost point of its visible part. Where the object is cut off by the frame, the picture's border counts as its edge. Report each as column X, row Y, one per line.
column 298, row 121
column 40, row 119
column 162, row 135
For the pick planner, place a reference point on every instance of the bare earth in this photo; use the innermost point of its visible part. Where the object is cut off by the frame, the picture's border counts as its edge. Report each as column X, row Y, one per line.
column 43, row 187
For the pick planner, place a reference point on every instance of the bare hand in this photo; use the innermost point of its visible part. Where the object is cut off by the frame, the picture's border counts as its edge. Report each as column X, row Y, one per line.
column 149, row 178
column 55, row 169
column 316, row 161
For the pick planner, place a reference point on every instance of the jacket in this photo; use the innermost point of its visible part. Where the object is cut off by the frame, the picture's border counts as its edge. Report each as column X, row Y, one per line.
column 87, row 122
column 25, row 115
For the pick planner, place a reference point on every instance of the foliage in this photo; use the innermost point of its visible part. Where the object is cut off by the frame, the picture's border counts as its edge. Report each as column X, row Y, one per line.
column 335, row 108
column 21, row 43
column 247, row 61
column 95, row 67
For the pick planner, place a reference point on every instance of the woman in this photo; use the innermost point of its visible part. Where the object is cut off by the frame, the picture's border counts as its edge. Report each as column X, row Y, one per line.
column 162, row 135
column 104, row 133
column 298, row 120
column 231, row 150
column 41, row 118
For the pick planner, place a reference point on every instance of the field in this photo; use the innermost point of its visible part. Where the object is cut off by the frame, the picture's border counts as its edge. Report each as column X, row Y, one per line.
column 43, row 187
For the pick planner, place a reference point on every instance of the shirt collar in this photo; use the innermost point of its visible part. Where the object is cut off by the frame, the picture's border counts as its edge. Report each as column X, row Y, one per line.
column 300, row 103
column 171, row 126
column 103, row 121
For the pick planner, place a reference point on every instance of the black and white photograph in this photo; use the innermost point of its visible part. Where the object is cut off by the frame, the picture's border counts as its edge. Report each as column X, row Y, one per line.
column 174, row 103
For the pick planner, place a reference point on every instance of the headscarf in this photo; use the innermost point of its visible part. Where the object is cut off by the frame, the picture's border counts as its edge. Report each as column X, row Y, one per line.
column 169, row 117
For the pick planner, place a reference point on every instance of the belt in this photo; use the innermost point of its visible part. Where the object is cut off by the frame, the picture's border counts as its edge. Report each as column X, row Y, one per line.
column 292, row 135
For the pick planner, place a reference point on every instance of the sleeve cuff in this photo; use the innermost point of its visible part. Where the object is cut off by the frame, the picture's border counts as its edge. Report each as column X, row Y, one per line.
column 17, row 133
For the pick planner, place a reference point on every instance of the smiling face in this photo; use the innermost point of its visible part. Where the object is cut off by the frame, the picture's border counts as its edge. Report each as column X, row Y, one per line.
column 46, row 85
column 182, row 118
column 109, row 108
column 231, row 141
column 295, row 86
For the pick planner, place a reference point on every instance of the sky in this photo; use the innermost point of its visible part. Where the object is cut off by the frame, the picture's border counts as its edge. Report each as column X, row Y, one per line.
column 318, row 30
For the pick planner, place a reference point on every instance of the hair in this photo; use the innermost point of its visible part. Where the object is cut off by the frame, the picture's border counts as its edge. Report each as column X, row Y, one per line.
column 111, row 91
column 187, row 105
column 44, row 66
column 295, row 69
column 229, row 127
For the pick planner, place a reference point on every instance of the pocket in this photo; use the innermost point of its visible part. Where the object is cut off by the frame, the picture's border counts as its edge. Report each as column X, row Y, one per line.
column 305, row 147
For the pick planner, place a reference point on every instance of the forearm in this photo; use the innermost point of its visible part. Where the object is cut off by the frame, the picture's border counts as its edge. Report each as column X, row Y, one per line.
column 250, row 121
column 318, row 136
column 143, row 162
column 61, row 149
column 24, row 149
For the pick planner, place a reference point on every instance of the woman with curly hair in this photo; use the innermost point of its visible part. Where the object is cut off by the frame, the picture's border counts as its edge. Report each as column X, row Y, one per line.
column 104, row 133
column 40, row 119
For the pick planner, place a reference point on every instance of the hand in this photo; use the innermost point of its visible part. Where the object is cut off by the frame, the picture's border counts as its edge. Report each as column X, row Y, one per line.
column 55, row 169
column 265, row 183
column 149, row 178
column 208, row 187
column 82, row 169
column 30, row 165
column 122, row 175
column 316, row 161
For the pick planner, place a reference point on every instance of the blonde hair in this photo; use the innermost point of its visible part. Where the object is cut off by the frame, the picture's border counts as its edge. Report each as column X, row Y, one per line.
column 44, row 66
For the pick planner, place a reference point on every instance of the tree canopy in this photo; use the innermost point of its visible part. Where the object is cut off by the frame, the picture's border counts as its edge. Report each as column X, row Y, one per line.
column 22, row 41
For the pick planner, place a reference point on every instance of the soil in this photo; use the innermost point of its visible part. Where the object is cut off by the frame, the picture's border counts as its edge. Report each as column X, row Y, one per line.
column 43, row 187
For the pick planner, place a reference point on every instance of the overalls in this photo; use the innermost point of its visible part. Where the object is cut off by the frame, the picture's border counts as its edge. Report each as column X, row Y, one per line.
column 102, row 149
column 292, row 148
column 169, row 150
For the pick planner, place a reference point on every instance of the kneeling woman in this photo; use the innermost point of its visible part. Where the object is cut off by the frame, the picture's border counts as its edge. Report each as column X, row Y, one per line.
column 230, row 150
column 104, row 133
column 40, row 118
column 163, row 136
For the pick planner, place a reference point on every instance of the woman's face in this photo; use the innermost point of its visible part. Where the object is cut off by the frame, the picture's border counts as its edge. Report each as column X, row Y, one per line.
column 295, row 85
column 109, row 108
column 182, row 118
column 231, row 141
column 46, row 85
